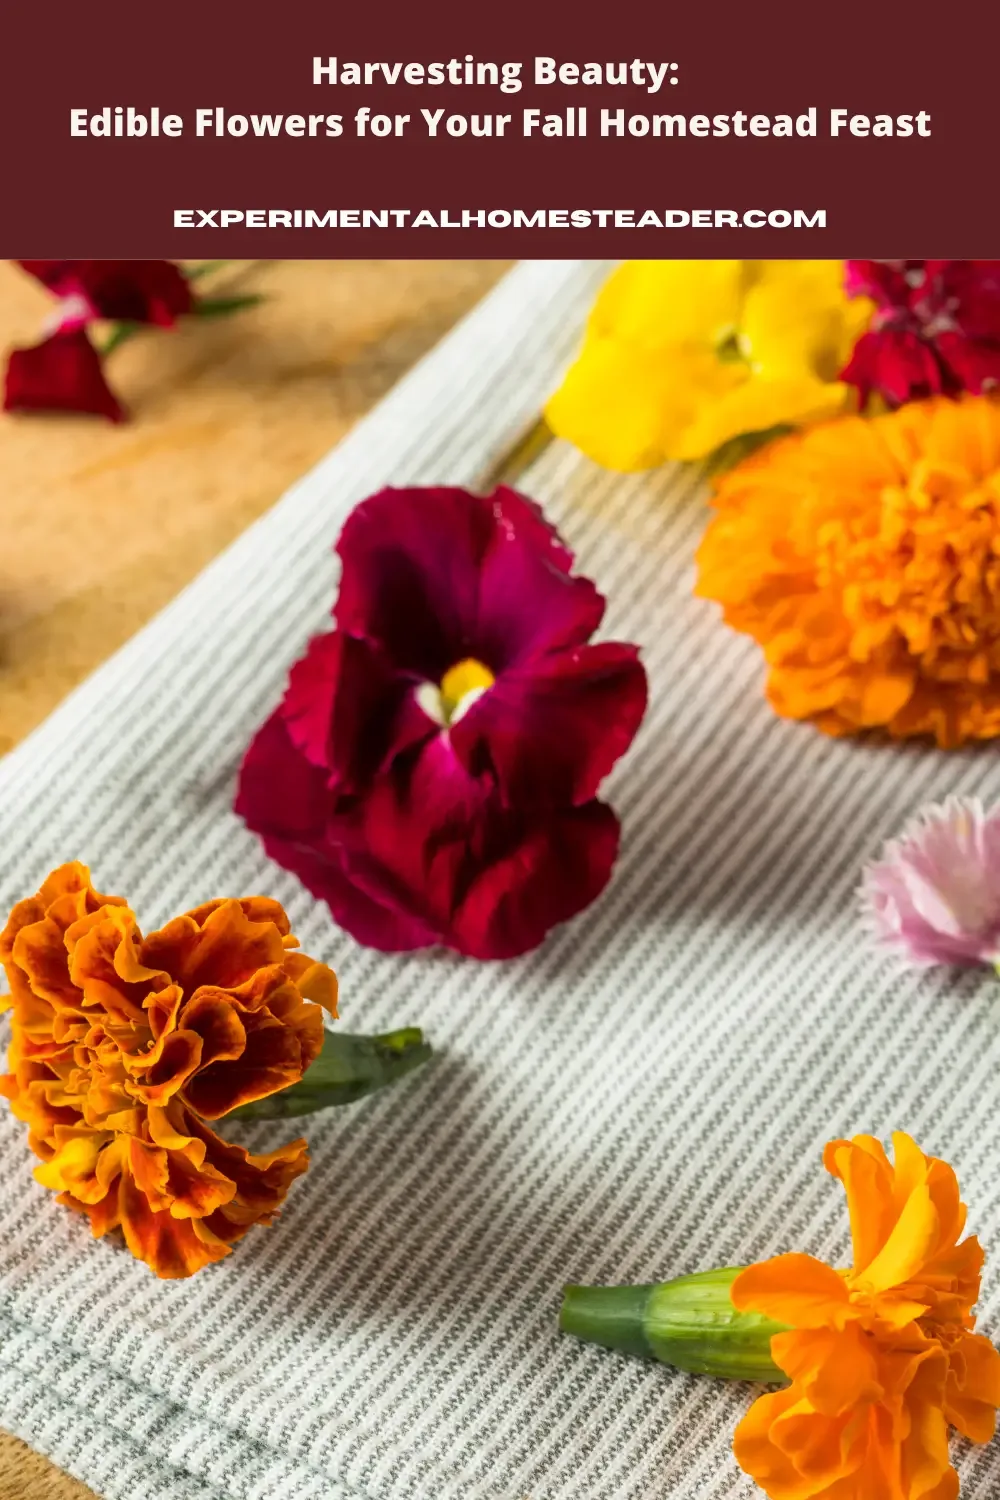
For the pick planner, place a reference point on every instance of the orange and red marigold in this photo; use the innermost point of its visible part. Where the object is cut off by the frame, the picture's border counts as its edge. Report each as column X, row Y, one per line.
column 864, row 557
column 123, row 1047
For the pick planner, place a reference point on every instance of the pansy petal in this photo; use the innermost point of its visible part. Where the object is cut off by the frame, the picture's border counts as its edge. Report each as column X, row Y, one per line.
column 410, row 576
column 279, row 790
column 564, row 611
column 552, row 730
column 758, row 405
column 491, row 887
column 625, row 408
column 63, row 373
column 128, row 291
column 349, row 711
column 538, row 876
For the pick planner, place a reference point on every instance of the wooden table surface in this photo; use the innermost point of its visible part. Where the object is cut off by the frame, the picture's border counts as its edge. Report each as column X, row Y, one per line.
column 102, row 525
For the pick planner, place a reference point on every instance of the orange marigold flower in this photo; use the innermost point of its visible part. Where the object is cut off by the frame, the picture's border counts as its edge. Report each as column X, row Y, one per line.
column 864, row 557
column 123, row 1046
column 882, row 1358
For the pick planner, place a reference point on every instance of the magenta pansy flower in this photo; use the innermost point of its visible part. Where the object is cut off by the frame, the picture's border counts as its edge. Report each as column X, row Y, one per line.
column 432, row 771
column 935, row 329
column 934, row 896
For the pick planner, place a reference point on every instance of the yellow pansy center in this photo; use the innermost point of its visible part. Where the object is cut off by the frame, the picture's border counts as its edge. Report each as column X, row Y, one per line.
column 459, row 688
column 468, row 676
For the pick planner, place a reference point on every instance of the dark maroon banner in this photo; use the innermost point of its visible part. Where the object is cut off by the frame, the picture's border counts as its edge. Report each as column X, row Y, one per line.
column 781, row 128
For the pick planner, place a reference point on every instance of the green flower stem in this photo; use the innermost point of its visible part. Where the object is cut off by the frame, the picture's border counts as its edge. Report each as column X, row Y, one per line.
column 348, row 1068
column 689, row 1323
column 120, row 334
column 207, row 268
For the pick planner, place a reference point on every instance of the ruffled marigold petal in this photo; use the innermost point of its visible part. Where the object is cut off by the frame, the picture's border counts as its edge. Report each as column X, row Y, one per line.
column 881, row 1358
column 121, row 1047
column 759, row 1456
column 794, row 1289
column 835, row 1368
column 972, row 1394
column 861, row 556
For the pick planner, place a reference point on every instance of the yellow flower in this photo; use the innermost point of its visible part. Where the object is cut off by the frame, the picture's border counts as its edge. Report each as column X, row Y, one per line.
column 682, row 356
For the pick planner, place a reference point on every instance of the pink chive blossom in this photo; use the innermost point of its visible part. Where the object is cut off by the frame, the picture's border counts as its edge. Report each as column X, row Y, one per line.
column 934, row 896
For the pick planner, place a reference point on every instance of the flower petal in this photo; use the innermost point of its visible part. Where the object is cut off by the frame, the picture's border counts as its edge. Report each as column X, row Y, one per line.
column 491, row 881
column 668, row 304
column 170, row 1246
column 629, row 409
column 550, row 731
column 793, row 1289
column 760, row 1457
column 234, row 1015
column 836, row 1370
column 63, row 373
column 428, row 575
column 973, row 1392
column 564, row 611
column 349, row 711
column 934, row 896
column 127, row 291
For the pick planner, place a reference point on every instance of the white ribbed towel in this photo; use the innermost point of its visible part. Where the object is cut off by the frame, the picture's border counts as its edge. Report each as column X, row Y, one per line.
column 647, row 1094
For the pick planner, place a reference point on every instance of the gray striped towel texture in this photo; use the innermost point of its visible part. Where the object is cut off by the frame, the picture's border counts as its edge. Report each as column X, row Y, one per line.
column 647, row 1094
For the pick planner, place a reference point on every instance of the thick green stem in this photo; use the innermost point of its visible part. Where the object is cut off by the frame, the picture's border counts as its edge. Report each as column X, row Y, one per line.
column 348, row 1068
column 689, row 1323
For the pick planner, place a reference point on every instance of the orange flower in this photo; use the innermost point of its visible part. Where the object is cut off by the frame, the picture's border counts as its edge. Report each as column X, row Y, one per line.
column 882, row 1358
column 864, row 556
column 123, row 1046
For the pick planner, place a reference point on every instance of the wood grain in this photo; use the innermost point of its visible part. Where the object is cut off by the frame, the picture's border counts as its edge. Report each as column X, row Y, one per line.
column 100, row 526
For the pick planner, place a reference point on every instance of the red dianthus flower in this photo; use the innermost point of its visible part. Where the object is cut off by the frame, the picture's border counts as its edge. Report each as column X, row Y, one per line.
column 935, row 330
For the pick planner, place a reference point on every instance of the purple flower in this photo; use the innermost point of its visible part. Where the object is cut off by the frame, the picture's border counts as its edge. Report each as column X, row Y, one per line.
column 934, row 896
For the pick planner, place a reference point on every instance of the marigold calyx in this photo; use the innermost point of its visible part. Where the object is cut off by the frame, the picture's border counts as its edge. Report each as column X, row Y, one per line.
column 348, row 1068
column 689, row 1323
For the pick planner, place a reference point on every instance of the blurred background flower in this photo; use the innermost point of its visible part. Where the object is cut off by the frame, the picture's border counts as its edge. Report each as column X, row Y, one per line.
column 935, row 328
column 682, row 356
column 64, row 371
